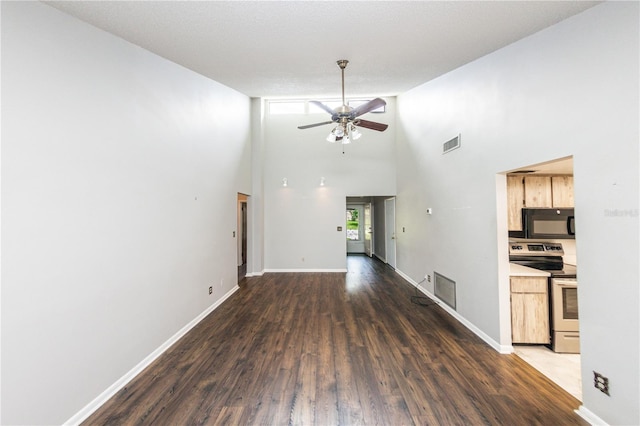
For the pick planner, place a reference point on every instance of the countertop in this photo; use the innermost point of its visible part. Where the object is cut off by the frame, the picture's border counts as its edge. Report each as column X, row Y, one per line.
column 516, row 270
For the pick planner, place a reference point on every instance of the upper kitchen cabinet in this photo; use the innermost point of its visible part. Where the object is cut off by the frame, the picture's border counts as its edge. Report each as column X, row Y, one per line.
column 515, row 202
column 562, row 191
column 536, row 191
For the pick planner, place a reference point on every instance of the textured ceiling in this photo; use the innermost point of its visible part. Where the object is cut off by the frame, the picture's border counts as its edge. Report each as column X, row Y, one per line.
column 289, row 49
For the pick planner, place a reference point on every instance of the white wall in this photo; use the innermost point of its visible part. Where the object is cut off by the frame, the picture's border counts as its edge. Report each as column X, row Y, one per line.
column 255, row 204
column 569, row 90
column 120, row 172
column 301, row 220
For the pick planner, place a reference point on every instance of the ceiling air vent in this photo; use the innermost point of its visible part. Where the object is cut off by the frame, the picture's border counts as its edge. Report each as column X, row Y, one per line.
column 451, row 144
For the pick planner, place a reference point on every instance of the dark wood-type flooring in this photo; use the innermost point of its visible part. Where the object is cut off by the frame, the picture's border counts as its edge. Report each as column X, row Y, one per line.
column 335, row 349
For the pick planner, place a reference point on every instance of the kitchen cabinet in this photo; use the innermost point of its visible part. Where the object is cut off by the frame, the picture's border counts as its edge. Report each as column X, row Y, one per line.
column 515, row 202
column 562, row 191
column 536, row 191
column 529, row 310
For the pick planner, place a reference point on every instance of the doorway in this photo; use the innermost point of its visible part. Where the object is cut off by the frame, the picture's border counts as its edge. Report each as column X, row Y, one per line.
column 242, row 235
column 545, row 183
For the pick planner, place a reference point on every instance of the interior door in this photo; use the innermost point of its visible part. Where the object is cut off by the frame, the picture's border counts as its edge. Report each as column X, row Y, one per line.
column 368, row 231
column 390, row 231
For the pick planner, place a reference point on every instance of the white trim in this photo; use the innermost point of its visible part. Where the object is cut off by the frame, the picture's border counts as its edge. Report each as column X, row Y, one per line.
column 588, row 415
column 85, row 412
column 305, row 270
column 254, row 274
column 503, row 349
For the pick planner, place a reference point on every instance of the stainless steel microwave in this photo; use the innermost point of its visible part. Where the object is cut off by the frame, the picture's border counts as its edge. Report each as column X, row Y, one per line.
column 547, row 223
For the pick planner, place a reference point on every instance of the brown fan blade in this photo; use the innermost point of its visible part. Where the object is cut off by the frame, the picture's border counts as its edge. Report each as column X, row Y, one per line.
column 308, row 126
column 371, row 125
column 323, row 106
column 369, row 106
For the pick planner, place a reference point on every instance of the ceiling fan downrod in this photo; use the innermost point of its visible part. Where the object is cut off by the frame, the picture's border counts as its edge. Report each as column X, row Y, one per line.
column 342, row 63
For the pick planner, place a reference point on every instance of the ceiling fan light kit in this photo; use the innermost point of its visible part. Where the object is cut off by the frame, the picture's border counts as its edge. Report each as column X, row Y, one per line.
column 346, row 118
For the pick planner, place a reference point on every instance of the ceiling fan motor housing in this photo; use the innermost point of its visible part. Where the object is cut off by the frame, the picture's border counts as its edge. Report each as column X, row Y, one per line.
column 342, row 112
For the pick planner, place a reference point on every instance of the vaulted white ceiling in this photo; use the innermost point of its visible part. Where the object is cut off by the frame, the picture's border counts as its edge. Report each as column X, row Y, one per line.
column 289, row 49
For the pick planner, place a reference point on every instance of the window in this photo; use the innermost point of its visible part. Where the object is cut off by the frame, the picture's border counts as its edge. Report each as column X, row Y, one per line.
column 314, row 109
column 304, row 107
column 356, row 103
column 286, row 107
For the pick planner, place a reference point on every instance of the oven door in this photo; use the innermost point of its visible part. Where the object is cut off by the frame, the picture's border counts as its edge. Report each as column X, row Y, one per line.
column 564, row 316
column 564, row 296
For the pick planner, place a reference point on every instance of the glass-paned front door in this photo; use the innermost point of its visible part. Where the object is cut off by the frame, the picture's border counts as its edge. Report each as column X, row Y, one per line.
column 353, row 224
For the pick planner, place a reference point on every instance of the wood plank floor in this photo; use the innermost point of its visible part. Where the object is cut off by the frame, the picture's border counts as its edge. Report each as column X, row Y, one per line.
column 335, row 349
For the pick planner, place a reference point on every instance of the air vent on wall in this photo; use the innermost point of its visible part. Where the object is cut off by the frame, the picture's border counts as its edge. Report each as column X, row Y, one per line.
column 523, row 172
column 451, row 144
column 445, row 289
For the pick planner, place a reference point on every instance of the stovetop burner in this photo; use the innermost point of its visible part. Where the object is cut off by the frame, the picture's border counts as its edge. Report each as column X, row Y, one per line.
column 543, row 256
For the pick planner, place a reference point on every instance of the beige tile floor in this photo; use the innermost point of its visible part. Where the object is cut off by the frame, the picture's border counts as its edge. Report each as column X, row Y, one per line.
column 563, row 369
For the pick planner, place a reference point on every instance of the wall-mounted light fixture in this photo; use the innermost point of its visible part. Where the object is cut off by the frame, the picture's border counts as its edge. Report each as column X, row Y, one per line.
column 285, row 182
column 322, row 181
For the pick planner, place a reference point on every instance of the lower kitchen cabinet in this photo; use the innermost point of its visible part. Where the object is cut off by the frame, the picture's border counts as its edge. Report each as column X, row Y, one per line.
column 529, row 310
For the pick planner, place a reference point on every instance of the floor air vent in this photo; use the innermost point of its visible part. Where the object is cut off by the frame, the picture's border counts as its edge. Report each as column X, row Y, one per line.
column 445, row 289
column 451, row 144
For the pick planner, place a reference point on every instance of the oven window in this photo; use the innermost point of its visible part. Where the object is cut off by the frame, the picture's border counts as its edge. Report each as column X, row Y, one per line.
column 570, row 303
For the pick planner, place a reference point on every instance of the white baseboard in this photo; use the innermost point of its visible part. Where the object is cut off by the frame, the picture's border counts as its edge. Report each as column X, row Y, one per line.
column 382, row 259
column 588, row 415
column 254, row 274
column 305, row 270
column 84, row 413
column 503, row 349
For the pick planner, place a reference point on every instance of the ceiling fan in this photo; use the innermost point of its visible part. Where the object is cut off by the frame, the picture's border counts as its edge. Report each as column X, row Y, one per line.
column 346, row 117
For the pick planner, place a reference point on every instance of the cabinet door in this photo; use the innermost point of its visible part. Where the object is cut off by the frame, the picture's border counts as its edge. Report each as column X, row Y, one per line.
column 529, row 310
column 562, row 191
column 515, row 201
column 529, row 318
column 537, row 191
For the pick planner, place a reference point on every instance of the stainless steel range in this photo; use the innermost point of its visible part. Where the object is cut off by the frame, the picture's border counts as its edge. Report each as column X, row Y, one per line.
column 563, row 290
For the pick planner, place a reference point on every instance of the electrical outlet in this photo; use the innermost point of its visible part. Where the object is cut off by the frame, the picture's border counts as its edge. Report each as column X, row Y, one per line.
column 601, row 383
column 428, row 278
column 210, row 290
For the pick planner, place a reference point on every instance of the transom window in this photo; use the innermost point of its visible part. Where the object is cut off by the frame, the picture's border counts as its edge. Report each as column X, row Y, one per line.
column 276, row 107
